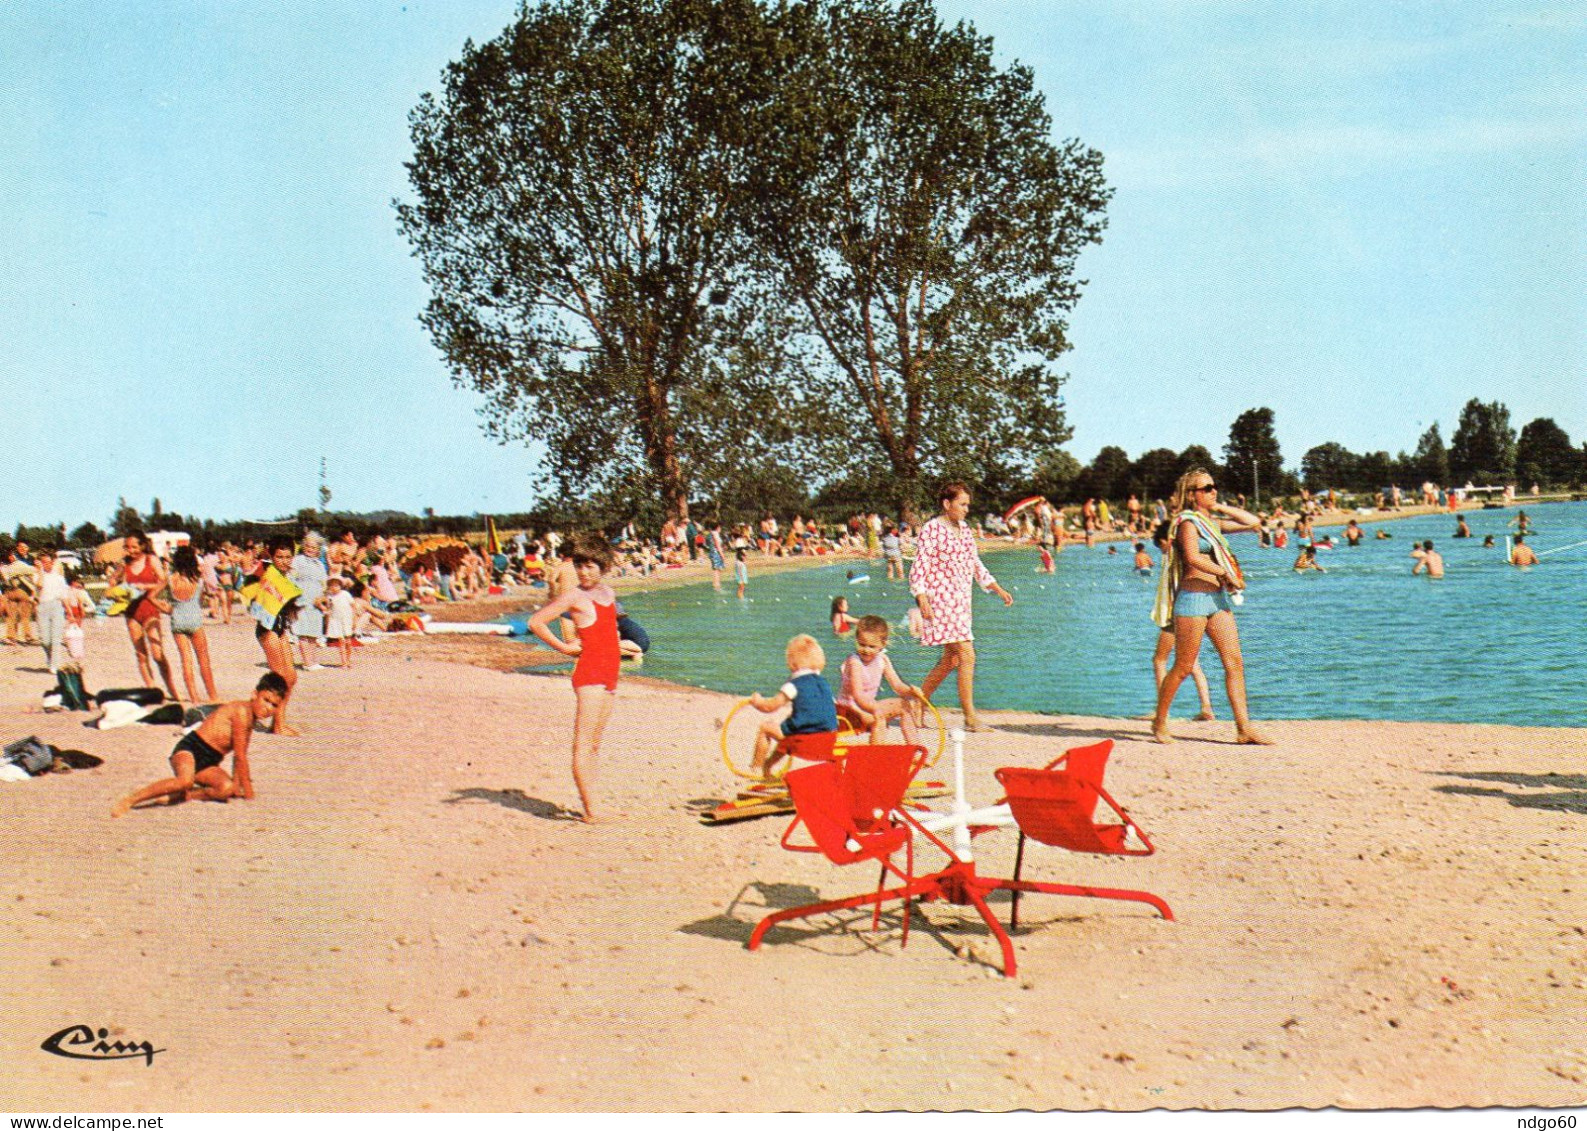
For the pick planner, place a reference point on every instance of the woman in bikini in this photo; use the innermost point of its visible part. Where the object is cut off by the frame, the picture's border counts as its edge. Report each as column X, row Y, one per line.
column 141, row 571
column 1199, row 575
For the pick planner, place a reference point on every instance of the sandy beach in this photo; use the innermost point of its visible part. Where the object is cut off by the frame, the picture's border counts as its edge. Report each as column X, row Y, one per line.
column 1368, row 915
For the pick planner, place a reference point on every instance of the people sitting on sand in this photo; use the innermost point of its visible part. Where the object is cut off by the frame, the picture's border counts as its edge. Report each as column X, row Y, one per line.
column 1428, row 559
column 1522, row 554
column 860, row 685
column 807, row 691
column 365, row 614
column 196, row 760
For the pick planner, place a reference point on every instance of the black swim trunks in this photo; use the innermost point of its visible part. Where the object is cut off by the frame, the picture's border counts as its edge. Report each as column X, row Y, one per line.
column 204, row 755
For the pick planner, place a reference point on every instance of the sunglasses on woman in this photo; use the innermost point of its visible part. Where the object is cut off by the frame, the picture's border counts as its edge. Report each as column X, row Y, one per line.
column 1206, row 487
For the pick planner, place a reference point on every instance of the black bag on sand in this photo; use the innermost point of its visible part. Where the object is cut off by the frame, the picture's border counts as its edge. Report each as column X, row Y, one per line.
column 32, row 755
column 143, row 696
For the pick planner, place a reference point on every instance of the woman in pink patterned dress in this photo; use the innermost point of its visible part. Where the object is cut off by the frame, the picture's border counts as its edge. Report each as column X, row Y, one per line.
column 946, row 563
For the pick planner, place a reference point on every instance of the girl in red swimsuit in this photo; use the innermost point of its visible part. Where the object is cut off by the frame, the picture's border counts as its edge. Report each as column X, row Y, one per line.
column 593, row 608
column 141, row 570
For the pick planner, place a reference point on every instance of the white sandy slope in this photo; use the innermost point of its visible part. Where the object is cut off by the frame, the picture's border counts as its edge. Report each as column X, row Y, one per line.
column 1369, row 915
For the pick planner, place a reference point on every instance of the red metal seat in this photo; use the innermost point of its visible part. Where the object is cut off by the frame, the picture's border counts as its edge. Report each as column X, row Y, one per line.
column 852, row 809
column 818, row 747
column 1057, row 805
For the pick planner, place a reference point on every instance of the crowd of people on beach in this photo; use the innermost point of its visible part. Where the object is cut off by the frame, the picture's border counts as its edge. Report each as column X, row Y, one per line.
column 301, row 596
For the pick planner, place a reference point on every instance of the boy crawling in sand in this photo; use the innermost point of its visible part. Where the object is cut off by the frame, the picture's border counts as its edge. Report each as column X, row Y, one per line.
column 197, row 759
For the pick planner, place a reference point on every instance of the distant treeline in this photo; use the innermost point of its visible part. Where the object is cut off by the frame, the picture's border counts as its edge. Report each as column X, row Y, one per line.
column 1484, row 451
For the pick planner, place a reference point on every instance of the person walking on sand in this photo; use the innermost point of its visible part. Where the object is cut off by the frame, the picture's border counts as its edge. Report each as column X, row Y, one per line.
column 272, row 602
column 53, row 591
column 186, row 586
column 1194, row 596
column 946, row 564
column 1165, row 639
column 141, row 572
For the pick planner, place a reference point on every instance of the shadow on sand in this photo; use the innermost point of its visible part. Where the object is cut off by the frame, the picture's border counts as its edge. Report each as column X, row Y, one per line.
column 1569, row 790
column 515, row 799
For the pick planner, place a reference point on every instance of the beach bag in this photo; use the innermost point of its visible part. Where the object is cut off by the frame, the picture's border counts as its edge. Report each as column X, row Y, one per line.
column 69, row 685
column 29, row 754
column 72, row 637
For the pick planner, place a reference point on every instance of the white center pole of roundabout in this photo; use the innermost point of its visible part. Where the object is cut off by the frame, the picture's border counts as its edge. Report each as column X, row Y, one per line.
column 960, row 817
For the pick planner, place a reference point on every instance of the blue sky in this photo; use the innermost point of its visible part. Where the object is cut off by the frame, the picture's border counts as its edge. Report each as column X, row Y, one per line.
column 1358, row 215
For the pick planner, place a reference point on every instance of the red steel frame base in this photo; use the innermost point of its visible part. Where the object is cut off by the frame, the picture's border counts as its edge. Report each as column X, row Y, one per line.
column 958, row 884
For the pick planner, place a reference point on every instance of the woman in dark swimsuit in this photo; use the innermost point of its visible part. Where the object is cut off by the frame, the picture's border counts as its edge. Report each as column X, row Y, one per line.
column 142, row 571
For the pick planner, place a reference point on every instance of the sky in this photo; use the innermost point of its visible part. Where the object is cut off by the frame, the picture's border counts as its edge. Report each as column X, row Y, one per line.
column 1360, row 216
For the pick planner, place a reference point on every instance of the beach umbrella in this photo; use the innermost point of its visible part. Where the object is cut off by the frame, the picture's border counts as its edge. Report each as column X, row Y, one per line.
column 113, row 552
column 492, row 539
column 439, row 552
column 1023, row 505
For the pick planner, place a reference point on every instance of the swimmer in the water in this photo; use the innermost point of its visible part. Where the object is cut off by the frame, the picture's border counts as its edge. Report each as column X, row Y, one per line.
column 1522, row 555
column 1487, row 543
column 1429, row 559
column 1143, row 560
column 842, row 623
column 1308, row 560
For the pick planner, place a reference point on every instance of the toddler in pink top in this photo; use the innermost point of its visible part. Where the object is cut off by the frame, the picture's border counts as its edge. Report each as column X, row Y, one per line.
column 862, row 676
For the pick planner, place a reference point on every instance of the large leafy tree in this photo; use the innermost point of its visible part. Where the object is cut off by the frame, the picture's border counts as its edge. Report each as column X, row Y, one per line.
column 1544, row 455
column 1329, row 465
column 1251, row 456
column 1431, row 458
column 1483, row 447
column 1154, row 474
column 1107, row 476
column 928, row 228
column 581, row 193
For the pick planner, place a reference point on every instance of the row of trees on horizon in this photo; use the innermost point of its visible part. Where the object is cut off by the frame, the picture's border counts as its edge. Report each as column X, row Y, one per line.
column 1485, row 450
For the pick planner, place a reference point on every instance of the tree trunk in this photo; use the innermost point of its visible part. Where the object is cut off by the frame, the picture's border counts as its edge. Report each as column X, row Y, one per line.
column 661, row 448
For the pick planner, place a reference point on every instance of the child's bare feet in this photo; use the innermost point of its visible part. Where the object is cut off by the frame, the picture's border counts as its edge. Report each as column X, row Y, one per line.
column 1161, row 735
column 1206, row 716
column 1252, row 738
